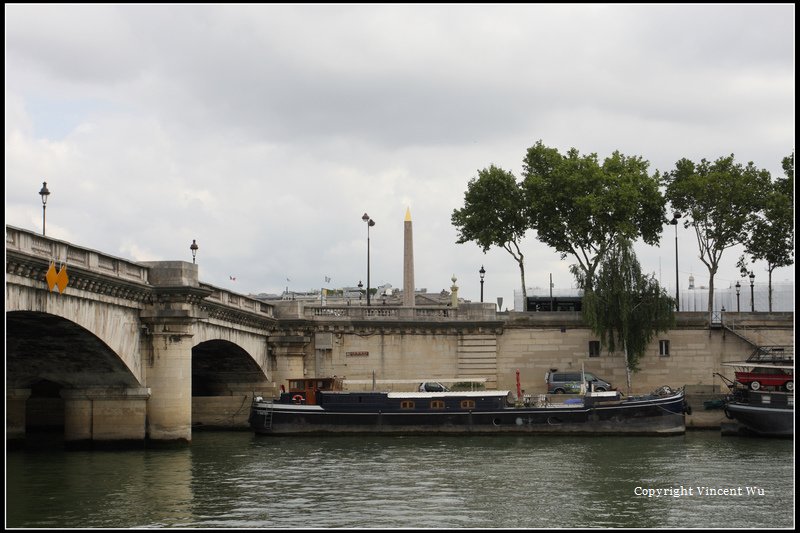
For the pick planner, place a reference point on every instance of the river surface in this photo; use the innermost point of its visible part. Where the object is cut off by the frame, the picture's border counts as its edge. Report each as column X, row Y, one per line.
column 239, row 480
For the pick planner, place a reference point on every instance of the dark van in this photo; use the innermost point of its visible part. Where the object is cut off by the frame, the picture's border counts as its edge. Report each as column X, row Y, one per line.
column 570, row 382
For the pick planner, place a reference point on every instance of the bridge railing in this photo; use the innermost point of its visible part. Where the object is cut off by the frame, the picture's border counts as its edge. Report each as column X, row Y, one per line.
column 238, row 301
column 310, row 311
column 62, row 252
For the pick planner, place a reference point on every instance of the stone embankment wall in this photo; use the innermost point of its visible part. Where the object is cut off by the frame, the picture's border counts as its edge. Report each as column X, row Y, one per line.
column 534, row 343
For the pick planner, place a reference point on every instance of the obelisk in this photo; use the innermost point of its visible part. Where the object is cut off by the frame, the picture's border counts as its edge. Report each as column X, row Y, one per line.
column 408, row 261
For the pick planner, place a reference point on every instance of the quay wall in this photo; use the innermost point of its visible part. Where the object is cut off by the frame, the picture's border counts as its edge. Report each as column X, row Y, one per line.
column 533, row 343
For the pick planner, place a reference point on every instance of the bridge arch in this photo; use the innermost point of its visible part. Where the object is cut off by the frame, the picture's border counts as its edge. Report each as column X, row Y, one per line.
column 115, row 326
column 219, row 366
column 45, row 346
column 62, row 377
column 225, row 377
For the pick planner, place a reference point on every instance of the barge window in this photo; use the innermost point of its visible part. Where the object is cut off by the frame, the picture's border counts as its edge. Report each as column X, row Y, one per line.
column 468, row 404
column 663, row 348
column 594, row 348
column 437, row 404
column 406, row 404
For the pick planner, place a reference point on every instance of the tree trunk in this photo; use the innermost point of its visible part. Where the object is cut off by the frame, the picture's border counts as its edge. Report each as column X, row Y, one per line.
column 524, row 291
column 710, row 295
column 627, row 367
column 769, row 288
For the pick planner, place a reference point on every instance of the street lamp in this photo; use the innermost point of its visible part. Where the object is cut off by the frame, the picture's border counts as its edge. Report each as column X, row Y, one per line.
column 44, row 193
column 193, row 248
column 482, row 272
column 370, row 223
column 752, row 302
column 674, row 222
column 738, row 290
column 360, row 287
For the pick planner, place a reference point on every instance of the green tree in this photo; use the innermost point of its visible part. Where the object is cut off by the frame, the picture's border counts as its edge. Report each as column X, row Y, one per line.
column 494, row 215
column 719, row 200
column 771, row 231
column 579, row 207
column 626, row 308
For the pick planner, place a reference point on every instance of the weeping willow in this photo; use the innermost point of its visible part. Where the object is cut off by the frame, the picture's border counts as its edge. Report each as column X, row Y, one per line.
column 626, row 308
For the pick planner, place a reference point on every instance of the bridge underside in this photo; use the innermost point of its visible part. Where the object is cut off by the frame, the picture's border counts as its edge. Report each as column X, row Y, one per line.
column 41, row 346
column 220, row 367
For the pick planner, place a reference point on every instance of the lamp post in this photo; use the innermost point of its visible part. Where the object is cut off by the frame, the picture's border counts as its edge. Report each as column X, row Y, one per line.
column 360, row 287
column 482, row 272
column 194, row 248
column 738, row 290
column 370, row 223
column 674, row 222
column 44, row 193
column 752, row 302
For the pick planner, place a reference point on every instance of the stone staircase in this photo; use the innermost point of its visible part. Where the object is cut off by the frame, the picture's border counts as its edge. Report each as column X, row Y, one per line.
column 477, row 358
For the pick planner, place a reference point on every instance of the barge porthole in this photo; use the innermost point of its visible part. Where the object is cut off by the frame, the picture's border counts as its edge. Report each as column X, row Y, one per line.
column 496, row 421
column 519, row 421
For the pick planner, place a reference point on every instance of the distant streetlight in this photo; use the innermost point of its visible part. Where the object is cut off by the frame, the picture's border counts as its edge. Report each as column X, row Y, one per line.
column 360, row 287
column 738, row 290
column 44, row 193
column 370, row 223
column 194, row 248
column 482, row 272
column 674, row 222
column 752, row 301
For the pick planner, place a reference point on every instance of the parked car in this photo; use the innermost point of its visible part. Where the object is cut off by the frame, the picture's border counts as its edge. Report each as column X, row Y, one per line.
column 570, row 382
column 432, row 386
column 766, row 377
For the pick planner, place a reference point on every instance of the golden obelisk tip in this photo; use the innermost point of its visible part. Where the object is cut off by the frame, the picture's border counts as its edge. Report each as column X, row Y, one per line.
column 408, row 214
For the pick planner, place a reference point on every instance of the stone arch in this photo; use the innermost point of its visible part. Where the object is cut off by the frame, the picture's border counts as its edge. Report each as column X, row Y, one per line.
column 44, row 346
column 225, row 377
column 115, row 326
column 219, row 366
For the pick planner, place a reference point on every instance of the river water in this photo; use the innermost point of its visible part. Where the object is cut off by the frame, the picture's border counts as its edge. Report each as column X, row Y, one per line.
column 239, row 480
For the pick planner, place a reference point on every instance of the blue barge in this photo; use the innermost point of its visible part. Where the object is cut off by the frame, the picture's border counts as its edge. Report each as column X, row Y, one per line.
column 315, row 406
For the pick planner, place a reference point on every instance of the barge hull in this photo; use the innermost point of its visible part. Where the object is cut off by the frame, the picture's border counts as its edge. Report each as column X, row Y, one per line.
column 769, row 422
column 637, row 418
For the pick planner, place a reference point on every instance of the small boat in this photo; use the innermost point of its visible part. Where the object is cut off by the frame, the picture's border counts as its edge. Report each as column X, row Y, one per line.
column 318, row 405
column 761, row 396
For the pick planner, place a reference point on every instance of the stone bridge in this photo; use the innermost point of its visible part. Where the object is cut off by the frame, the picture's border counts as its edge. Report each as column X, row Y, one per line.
column 125, row 346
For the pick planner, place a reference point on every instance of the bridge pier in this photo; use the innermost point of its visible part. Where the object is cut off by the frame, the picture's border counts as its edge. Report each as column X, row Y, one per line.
column 290, row 353
column 169, row 376
column 16, row 400
column 170, row 322
column 105, row 414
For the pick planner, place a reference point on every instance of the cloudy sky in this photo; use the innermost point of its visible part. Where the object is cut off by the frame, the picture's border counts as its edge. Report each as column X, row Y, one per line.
column 266, row 132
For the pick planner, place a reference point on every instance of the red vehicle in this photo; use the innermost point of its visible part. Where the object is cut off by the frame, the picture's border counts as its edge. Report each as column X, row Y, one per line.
column 767, row 377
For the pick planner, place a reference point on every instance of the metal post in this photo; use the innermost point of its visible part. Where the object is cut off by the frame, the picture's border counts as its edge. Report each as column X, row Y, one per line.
column 752, row 301
column 482, row 272
column 675, row 217
column 44, row 193
column 369, row 222
column 738, row 290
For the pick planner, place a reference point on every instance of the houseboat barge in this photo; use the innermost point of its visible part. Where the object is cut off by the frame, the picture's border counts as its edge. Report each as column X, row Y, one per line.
column 315, row 406
column 761, row 395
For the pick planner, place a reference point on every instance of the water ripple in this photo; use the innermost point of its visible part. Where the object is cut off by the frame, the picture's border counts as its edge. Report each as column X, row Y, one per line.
column 237, row 480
